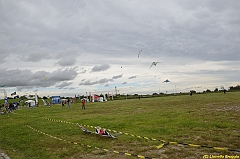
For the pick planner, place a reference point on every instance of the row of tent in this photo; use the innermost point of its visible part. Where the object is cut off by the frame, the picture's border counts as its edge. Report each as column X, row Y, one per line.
column 93, row 98
column 56, row 99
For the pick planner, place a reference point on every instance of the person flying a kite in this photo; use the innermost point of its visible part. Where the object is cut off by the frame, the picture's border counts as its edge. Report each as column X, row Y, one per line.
column 154, row 63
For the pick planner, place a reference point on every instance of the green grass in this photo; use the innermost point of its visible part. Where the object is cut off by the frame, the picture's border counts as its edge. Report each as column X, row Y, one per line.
column 210, row 119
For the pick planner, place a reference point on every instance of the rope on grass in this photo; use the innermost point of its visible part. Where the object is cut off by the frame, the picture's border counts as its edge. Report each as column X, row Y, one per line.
column 165, row 143
column 153, row 139
column 89, row 146
column 61, row 121
column 89, row 126
column 204, row 146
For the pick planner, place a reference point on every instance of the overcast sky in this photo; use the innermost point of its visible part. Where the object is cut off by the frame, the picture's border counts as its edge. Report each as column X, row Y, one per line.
column 59, row 47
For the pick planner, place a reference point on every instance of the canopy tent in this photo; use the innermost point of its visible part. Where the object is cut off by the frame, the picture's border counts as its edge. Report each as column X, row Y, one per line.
column 30, row 103
column 95, row 98
column 100, row 99
column 56, row 100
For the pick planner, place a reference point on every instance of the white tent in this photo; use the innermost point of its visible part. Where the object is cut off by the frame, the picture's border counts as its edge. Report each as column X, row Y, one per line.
column 100, row 99
column 30, row 103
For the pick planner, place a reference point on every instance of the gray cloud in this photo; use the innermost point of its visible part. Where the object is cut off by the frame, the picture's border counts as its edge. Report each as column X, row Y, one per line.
column 118, row 76
column 26, row 78
column 3, row 55
column 21, row 88
column 68, row 57
column 82, row 70
column 67, row 61
column 64, row 84
column 101, row 81
column 99, row 68
column 132, row 77
column 34, row 56
column 62, row 74
column 188, row 33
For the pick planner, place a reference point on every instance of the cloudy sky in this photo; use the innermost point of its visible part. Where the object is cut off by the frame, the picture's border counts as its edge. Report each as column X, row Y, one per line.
column 59, row 47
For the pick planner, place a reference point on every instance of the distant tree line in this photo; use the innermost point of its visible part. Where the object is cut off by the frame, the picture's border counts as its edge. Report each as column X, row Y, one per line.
column 118, row 96
column 236, row 88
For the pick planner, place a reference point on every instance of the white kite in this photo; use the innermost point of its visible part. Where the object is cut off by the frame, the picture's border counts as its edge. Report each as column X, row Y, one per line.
column 154, row 63
column 139, row 53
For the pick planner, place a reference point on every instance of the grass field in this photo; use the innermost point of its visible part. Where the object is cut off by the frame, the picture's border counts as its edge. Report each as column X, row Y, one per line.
column 201, row 120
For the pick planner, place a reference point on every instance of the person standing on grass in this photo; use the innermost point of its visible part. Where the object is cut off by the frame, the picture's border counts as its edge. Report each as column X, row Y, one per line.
column 63, row 103
column 69, row 102
column 83, row 104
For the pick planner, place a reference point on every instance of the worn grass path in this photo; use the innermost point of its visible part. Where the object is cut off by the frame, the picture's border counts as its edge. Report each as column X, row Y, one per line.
column 202, row 119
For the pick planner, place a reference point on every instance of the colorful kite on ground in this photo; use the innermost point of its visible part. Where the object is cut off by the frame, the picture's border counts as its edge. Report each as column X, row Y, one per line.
column 99, row 131
column 154, row 63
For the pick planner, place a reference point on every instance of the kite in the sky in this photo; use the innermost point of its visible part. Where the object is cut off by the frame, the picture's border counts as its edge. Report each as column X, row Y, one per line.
column 166, row 81
column 139, row 53
column 154, row 63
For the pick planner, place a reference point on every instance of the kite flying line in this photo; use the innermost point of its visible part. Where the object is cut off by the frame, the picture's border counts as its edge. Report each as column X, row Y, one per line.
column 89, row 146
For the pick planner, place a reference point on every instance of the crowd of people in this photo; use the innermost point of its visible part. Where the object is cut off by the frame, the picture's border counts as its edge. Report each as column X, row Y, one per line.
column 6, row 108
column 83, row 101
column 9, row 107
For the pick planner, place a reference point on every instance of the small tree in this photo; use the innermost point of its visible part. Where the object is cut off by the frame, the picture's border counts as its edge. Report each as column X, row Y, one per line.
column 208, row 90
column 193, row 91
column 44, row 97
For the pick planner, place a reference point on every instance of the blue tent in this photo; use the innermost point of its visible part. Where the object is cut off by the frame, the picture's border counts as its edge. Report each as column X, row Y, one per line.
column 56, row 100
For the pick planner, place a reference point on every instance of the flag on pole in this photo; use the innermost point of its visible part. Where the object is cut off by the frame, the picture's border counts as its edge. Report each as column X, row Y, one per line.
column 36, row 98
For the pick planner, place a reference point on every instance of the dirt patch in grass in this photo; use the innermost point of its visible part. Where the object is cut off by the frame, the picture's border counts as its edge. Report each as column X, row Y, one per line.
column 229, row 108
column 222, row 107
column 3, row 155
